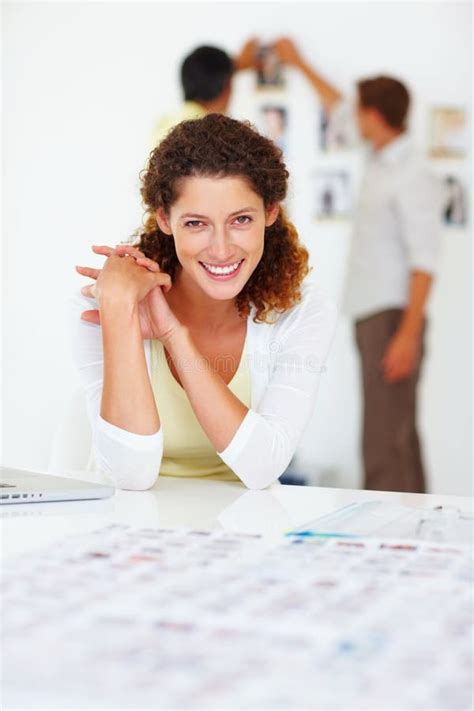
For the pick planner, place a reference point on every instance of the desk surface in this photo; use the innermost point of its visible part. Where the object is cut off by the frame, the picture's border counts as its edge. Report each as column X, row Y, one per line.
column 195, row 503
column 328, row 651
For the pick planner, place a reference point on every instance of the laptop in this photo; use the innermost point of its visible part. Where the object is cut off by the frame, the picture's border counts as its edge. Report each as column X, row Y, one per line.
column 21, row 487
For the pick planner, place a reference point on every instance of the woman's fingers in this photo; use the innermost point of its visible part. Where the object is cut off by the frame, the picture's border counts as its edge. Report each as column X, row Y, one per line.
column 137, row 274
column 142, row 261
column 92, row 316
column 89, row 291
column 102, row 249
column 124, row 249
column 148, row 263
column 88, row 272
column 164, row 280
column 152, row 266
column 120, row 249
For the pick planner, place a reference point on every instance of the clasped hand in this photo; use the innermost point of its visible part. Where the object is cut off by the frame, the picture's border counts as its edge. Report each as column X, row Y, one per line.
column 129, row 279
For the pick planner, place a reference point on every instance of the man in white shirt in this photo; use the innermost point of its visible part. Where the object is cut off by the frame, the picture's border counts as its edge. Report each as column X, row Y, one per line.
column 391, row 266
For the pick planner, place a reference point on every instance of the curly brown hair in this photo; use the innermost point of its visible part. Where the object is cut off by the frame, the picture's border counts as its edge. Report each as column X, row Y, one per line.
column 219, row 146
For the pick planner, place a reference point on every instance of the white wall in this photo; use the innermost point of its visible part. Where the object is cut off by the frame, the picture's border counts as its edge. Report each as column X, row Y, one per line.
column 84, row 82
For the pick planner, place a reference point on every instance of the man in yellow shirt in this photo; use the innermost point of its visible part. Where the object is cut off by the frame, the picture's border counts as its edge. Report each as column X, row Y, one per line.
column 206, row 78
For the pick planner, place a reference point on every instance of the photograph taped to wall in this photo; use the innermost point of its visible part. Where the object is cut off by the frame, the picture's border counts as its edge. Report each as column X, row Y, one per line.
column 333, row 135
column 454, row 209
column 448, row 133
column 332, row 193
column 273, row 121
column 270, row 69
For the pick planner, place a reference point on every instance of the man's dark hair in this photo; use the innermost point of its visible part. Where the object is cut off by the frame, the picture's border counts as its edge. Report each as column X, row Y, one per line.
column 389, row 96
column 205, row 73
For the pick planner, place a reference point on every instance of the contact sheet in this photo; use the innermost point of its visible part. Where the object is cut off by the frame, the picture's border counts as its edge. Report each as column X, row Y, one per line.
column 133, row 618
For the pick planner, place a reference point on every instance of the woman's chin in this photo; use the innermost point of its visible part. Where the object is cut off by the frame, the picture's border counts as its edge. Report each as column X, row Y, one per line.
column 221, row 292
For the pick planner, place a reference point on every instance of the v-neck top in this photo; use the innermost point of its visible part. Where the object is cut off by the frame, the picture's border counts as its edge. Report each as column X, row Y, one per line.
column 286, row 358
column 187, row 450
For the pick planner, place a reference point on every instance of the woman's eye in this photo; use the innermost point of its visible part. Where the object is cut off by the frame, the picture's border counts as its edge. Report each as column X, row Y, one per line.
column 193, row 223
column 243, row 220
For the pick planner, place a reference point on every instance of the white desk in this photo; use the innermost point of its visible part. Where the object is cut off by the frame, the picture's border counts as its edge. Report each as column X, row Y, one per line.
column 201, row 504
column 192, row 502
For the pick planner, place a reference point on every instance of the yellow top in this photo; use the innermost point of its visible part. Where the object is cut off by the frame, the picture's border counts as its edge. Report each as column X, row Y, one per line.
column 188, row 111
column 187, row 451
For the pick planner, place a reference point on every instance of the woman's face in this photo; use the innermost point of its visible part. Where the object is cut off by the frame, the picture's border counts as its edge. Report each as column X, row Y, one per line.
column 218, row 225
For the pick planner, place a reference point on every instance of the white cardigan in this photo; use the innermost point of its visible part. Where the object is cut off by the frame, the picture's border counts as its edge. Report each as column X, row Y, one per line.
column 286, row 359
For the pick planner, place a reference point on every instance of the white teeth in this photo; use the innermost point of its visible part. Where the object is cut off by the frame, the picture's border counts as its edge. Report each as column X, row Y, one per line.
column 221, row 270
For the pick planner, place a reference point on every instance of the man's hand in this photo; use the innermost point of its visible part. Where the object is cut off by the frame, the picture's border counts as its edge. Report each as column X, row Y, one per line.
column 401, row 356
column 404, row 350
column 247, row 57
column 288, row 53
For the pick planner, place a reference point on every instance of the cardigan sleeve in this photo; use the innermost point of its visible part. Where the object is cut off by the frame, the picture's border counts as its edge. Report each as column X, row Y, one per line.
column 128, row 460
column 267, row 438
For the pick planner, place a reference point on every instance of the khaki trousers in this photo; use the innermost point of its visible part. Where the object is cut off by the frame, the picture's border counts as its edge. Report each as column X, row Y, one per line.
column 390, row 442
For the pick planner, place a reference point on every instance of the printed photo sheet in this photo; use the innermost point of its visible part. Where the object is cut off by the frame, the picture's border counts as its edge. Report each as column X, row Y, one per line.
column 182, row 619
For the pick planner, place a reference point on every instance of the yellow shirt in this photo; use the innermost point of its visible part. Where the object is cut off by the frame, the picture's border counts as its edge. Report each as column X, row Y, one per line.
column 187, row 451
column 188, row 111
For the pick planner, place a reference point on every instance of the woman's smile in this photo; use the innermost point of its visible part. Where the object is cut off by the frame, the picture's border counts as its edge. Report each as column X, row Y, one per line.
column 222, row 272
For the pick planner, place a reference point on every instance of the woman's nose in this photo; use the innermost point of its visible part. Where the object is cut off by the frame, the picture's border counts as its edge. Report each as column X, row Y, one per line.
column 221, row 248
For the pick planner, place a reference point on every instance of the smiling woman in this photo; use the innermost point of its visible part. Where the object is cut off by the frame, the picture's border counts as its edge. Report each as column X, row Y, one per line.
column 210, row 347
column 217, row 147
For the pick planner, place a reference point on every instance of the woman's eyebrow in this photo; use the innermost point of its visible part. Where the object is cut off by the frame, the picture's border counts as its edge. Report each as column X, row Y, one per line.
column 192, row 214
column 195, row 215
column 243, row 209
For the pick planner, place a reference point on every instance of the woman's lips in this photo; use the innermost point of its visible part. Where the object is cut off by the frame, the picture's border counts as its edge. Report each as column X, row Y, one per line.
column 222, row 277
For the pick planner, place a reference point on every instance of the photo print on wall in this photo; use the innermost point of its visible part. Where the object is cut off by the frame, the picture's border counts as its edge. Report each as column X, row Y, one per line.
column 454, row 208
column 273, row 120
column 448, row 133
column 332, row 136
column 332, row 192
column 270, row 69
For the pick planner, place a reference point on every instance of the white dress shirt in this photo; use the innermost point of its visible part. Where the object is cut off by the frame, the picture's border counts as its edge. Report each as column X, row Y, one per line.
column 397, row 228
column 286, row 359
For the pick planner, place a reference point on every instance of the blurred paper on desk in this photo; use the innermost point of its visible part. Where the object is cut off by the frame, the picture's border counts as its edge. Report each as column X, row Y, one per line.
column 194, row 619
column 381, row 519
